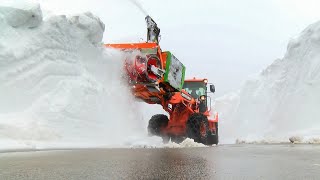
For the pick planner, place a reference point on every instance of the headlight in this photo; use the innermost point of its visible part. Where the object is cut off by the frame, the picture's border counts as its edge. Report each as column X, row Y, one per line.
column 205, row 81
column 203, row 97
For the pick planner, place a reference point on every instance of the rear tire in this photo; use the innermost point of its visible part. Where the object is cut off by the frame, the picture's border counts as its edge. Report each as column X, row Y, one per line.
column 156, row 123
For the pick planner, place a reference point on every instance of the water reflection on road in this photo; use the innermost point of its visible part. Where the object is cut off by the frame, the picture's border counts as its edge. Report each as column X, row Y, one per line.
column 221, row 162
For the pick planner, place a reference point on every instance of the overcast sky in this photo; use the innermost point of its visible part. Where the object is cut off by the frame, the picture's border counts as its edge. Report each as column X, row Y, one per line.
column 224, row 40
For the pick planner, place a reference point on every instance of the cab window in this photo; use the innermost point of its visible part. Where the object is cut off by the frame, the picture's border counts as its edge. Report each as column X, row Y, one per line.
column 195, row 89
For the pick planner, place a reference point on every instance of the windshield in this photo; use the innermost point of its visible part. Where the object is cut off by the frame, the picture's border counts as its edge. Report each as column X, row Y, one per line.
column 195, row 89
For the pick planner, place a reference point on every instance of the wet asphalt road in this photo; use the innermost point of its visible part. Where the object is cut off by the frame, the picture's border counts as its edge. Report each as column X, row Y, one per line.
column 220, row 162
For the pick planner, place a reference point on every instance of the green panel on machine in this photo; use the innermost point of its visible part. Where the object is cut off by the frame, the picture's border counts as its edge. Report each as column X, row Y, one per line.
column 175, row 72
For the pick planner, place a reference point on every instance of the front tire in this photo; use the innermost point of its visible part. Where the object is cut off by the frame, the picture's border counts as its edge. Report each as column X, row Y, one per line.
column 156, row 124
column 198, row 128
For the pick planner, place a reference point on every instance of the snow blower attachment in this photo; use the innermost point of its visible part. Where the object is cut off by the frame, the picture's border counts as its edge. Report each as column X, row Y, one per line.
column 158, row 77
column 144, row 68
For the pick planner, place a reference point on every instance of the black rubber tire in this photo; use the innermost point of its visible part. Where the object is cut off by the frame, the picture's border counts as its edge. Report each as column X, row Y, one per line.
column 177, row 139
column 157, row 122
column 194, row 124
column 214, row 138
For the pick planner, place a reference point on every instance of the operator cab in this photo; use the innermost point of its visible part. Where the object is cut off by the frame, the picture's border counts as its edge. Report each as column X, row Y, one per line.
column 197, row 88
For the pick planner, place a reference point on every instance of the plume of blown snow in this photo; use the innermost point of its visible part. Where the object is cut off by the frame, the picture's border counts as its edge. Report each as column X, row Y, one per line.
column 58, row 86
column 139, row 6
column 282, row 102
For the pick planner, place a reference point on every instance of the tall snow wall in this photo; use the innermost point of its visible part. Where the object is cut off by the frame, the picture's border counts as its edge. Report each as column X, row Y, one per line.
column 282, row 102
column 58, row 86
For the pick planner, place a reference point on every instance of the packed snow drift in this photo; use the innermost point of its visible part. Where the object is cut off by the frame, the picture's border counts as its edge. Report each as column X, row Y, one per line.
column 283, row 102
column 58, row 86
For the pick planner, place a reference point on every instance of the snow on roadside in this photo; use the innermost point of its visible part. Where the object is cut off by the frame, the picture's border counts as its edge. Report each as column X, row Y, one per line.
column 156, row 142
column 187, row 143
column 58, row 86
column 282, row 102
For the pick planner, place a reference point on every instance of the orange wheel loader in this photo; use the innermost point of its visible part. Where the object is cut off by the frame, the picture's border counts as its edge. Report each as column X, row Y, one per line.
column 158, row 77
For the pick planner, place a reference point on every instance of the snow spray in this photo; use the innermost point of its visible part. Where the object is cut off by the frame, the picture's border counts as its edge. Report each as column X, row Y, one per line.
column 136, row 3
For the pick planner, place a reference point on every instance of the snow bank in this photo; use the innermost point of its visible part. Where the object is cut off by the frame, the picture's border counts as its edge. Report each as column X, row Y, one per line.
column 283, row 101
column 58, row 86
